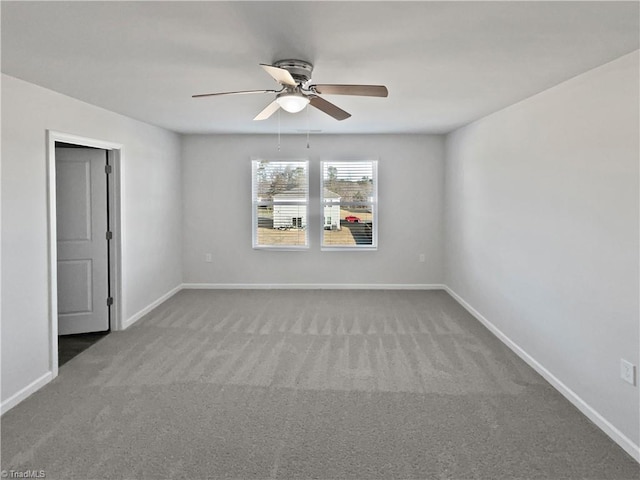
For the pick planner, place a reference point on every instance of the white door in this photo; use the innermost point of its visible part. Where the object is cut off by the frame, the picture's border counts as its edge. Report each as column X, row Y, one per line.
column 81, row 215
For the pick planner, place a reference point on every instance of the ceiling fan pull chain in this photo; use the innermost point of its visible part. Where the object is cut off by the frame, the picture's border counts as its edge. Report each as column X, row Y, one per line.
column 278, row 129
column 307, row 126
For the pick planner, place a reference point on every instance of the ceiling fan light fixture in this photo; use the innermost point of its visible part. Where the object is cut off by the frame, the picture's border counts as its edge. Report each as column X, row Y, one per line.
column 293, row 96
column 292, row 102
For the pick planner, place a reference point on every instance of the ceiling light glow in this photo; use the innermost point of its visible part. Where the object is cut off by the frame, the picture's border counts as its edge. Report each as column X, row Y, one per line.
column 292, row 102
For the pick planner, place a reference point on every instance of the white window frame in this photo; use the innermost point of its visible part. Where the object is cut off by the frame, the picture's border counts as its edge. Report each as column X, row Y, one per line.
column 256, row 202
column 373, row 201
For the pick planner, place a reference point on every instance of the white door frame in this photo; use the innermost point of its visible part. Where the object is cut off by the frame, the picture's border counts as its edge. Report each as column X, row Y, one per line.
column 115, row 195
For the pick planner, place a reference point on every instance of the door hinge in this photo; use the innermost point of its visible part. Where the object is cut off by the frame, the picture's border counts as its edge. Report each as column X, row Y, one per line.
column 109, row 235
column 107, row 169
column 109, row 301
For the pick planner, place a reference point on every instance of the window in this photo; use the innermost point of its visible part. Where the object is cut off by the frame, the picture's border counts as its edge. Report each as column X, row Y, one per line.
column 280, row 191
column 349, row 196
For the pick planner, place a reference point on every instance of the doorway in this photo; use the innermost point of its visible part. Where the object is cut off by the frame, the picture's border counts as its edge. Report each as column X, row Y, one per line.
column 84, row 243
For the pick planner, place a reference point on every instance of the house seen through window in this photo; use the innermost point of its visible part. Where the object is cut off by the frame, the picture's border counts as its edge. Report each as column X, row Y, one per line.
column 349, row 203
column 280, row 191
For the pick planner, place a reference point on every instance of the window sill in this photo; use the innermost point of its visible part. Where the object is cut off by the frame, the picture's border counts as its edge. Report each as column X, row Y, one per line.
column 283, row 248
column 362, row 248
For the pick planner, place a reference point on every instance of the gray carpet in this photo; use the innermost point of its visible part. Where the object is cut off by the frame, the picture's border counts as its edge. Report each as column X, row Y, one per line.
column 305, row 384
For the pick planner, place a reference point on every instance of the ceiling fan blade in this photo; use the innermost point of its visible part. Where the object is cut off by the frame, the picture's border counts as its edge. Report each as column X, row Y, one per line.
column 282, row 76
column 242, row 92
column 328, row 108
column 268, row 111
column 364, row 90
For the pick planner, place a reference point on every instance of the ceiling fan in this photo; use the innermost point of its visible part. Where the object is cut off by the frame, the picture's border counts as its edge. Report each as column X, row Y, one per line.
column 296, row 94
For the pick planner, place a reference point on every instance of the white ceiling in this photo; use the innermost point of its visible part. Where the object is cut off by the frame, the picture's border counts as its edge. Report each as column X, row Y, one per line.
column 445, row 63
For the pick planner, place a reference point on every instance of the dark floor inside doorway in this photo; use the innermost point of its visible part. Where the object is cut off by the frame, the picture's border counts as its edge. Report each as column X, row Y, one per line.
column 71, row 345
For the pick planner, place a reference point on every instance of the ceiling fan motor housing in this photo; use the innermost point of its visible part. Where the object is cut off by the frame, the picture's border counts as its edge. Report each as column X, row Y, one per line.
column 299, row 69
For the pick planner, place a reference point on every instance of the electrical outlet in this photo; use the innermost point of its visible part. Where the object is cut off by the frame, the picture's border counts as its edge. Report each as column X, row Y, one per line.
column 627, row 371
column 208, row 258
column 421, row 257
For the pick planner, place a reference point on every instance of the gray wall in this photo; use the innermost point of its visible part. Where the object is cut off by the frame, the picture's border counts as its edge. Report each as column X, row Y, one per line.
column 542, row 231
column 217, row 211
column 151, row 213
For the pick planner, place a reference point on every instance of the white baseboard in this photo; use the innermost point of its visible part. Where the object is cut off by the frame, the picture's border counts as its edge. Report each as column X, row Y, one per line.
column 137, row 316
column 314, row 286
column 19, row 396
column 616, row 435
